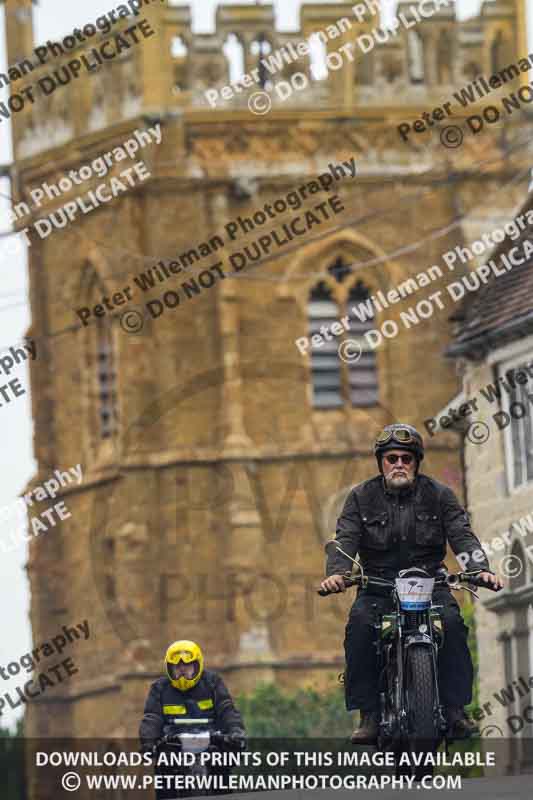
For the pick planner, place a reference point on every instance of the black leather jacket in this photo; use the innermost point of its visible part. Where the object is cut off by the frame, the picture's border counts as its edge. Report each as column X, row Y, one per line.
column 392, row 531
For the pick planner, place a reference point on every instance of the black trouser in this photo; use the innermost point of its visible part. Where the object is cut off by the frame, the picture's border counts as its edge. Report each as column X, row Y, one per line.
column 455, row 668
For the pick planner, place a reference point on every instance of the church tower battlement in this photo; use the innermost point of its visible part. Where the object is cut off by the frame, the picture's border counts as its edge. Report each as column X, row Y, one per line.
column 414, row 61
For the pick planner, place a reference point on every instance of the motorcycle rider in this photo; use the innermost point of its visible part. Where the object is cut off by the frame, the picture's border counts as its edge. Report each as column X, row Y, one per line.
column 190, row 696
column 396, row 520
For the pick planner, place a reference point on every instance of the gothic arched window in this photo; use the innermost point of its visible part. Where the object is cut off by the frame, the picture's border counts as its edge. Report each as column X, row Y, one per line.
column 415, row 51
column 178, row 48
column 106, row 378
column 444, row 58
column 497, row 52
column 317, row 55
column 234, row 51
column 179, row 52
column 365, row 69
column 362, row 372
column 325, row 361
column 261, row 47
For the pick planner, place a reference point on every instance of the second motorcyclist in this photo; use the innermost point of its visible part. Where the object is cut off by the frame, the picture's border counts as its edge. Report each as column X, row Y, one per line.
column 189, row 698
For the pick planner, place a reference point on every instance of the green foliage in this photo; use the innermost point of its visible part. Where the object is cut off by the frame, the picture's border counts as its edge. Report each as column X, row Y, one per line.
column 470, row 621
column 472, row 745
column 270, row 712
column 12, row 769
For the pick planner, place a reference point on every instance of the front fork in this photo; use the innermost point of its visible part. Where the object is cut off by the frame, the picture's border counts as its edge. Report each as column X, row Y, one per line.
column 440, row 718
column 394, row 720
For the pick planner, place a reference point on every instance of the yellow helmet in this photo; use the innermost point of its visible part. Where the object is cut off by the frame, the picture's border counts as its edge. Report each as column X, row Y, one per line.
column 177, row 658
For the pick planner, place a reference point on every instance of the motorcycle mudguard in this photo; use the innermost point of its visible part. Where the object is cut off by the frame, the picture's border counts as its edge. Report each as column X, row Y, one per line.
column 418, row 638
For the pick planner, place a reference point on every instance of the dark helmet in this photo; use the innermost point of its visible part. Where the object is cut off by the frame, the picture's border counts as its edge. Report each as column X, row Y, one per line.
column 399, row 436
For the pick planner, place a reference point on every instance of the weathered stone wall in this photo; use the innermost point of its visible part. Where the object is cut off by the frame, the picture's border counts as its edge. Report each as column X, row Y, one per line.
column 219, row 451
column 494, row 508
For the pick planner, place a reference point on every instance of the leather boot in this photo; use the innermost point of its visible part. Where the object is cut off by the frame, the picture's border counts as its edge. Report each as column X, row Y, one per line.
column 460, row 726
column 367, row 732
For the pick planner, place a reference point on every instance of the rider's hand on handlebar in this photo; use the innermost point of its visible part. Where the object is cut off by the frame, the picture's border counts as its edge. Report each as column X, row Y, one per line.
column 489, row 578
column 238, row 740
column 150, row 747
column 334, row 583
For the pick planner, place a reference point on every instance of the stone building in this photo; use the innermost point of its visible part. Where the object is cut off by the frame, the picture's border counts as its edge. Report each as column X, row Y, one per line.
column 215, row 454
column 493, row 343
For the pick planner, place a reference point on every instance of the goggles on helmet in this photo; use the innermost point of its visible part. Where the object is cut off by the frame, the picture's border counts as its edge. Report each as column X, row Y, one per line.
column 184, row 664
column 401, row 435
column 182, row 655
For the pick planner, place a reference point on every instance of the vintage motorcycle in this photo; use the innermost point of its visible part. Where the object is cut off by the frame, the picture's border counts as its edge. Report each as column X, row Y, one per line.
column 412, row 718
column 190, row 745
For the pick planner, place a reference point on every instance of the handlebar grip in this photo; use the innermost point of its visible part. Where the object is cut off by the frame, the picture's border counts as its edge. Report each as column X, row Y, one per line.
column 348, row 582
column 230, row 740
column 168, row 739
column 474, row 580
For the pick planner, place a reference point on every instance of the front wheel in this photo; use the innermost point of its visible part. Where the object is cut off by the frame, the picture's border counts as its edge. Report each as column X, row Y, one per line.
column 421, row 706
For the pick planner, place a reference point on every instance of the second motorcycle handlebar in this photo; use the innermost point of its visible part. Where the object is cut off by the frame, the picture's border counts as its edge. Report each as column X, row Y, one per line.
column 453, row 580
column 217, row 738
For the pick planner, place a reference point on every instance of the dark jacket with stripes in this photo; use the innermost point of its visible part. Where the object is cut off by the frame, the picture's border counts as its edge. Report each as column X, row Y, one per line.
column 169, row 710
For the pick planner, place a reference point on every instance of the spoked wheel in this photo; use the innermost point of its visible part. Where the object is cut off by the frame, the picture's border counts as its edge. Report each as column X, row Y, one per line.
column 424, row 736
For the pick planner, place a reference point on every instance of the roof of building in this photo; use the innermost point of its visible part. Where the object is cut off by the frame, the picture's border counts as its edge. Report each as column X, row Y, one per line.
column 502, row 309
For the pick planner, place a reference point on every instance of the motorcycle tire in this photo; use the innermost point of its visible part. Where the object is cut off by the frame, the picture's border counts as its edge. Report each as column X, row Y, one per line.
column 424, row 736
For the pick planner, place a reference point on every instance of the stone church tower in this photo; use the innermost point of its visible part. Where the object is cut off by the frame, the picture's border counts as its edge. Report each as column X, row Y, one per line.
column 215, row 454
